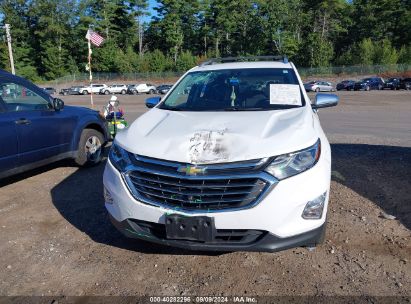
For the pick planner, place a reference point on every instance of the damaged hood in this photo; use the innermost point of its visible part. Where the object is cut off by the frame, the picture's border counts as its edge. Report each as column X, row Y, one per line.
column 217, row 137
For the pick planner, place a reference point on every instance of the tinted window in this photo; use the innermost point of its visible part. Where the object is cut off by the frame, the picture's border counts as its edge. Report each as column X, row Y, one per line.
column 18, row 98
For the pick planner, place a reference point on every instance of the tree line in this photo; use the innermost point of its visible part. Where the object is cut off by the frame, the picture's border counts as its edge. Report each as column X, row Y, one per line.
column 49, row 35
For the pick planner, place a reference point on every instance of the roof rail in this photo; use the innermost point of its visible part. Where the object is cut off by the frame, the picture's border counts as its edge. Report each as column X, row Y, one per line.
column 248, row 58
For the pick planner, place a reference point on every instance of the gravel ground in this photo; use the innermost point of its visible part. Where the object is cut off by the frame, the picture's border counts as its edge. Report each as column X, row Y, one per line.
column 56, row 238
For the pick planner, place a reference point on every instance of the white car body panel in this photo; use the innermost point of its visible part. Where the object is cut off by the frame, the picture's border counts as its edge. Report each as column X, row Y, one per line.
column 247, row 135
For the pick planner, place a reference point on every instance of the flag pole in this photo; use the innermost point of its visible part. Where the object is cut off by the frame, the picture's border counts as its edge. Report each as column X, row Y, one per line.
column 89, row 69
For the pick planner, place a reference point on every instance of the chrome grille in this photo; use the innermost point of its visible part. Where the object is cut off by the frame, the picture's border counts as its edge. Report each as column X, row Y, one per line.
column 163, row 186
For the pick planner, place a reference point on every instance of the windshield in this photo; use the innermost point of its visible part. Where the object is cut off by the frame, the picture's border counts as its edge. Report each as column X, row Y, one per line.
column 236, row 89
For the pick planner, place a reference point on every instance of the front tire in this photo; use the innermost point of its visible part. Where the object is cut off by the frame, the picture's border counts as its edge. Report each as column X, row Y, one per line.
column 90, row 148
column 106, row 92
column 84, row 92
column 123, row 92
column 317, row 90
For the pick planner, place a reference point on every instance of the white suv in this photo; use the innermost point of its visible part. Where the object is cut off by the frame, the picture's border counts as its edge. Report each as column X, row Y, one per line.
column 114, row 89
column 142, row 88
column 95, row 88
column 232, row 158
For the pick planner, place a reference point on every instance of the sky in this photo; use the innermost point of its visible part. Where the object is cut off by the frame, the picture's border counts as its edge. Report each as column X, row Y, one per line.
column 151, row 4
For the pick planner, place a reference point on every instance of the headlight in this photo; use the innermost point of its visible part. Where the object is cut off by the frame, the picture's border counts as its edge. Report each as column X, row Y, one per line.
column 290, row 164
column 119, row 157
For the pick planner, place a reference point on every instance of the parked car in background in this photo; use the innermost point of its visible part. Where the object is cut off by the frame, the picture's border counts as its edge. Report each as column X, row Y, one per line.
column 371, row 83
column 95, row 88
column 50, row 90
column 64, row 92
column 164, row 88
column 405, row 84
column 346, row 85
column 318, row 86
column 114, row 89
column 141, row 88
column 392, row 84
column 70, row 91
column 39, row 129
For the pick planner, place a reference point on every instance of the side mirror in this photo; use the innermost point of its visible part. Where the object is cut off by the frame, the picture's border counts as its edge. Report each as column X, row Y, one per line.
column 152, row 101
column 325, row 101
column 58, row 104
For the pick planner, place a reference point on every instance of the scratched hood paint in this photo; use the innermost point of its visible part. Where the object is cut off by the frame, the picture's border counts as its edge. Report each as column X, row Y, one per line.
column 216, row 137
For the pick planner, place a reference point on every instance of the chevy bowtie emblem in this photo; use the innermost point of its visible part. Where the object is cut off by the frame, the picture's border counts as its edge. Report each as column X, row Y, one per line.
column 191, row 170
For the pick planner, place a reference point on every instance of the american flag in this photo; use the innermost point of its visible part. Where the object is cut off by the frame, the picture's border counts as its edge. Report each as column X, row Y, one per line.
column 95, row 38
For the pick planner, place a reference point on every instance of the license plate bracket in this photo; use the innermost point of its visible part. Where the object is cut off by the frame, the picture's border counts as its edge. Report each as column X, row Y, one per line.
column 190, row 228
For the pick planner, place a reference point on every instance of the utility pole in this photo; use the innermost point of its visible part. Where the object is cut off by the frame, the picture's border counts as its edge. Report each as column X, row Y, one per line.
column 7, row 27
column 140, row 36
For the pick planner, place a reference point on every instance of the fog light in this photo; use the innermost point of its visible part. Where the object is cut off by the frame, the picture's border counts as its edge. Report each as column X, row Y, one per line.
column 314, row 209
column 107, row 197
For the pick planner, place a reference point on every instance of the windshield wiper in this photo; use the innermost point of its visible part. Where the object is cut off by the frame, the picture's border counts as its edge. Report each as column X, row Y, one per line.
column 278, row 107
column 171, row 108
column 244, row 109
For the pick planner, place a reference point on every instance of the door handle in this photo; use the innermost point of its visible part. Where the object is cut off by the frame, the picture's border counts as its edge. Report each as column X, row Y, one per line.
column 23, row 121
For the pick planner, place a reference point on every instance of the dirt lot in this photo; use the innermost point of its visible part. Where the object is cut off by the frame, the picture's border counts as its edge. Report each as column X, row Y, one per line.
column 56, row 238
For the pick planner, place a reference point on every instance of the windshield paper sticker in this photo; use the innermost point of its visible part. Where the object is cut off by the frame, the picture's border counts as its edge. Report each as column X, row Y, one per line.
column 285, row 94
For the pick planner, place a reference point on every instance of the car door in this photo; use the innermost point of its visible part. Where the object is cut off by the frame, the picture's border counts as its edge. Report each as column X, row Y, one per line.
column 143, row 88
column 8, row 140
column 42, row 132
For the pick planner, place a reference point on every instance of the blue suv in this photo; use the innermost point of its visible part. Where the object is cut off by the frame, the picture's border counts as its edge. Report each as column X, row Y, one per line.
column 37, row 129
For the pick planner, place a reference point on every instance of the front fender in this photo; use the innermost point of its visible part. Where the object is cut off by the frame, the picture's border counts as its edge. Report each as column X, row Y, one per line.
column 93, row 121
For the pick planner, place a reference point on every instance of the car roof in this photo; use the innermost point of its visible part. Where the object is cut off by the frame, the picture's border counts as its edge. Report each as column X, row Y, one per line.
column 243, row 65
column 10, row 76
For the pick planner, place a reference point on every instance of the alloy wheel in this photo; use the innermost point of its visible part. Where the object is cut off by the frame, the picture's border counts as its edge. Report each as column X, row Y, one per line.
column 93, row 148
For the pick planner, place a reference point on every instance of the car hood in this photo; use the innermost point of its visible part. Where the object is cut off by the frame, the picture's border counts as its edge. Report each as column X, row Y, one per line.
column 218, row 137
column 79, row 110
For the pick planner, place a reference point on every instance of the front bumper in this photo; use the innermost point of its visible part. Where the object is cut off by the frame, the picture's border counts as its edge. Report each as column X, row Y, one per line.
column 267, row 242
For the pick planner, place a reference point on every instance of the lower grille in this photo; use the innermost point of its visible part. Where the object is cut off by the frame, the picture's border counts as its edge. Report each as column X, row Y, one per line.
column 199, row 193
column 222, row 236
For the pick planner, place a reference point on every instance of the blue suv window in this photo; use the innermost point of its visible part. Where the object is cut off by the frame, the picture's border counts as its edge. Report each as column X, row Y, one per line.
column 18, row 98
